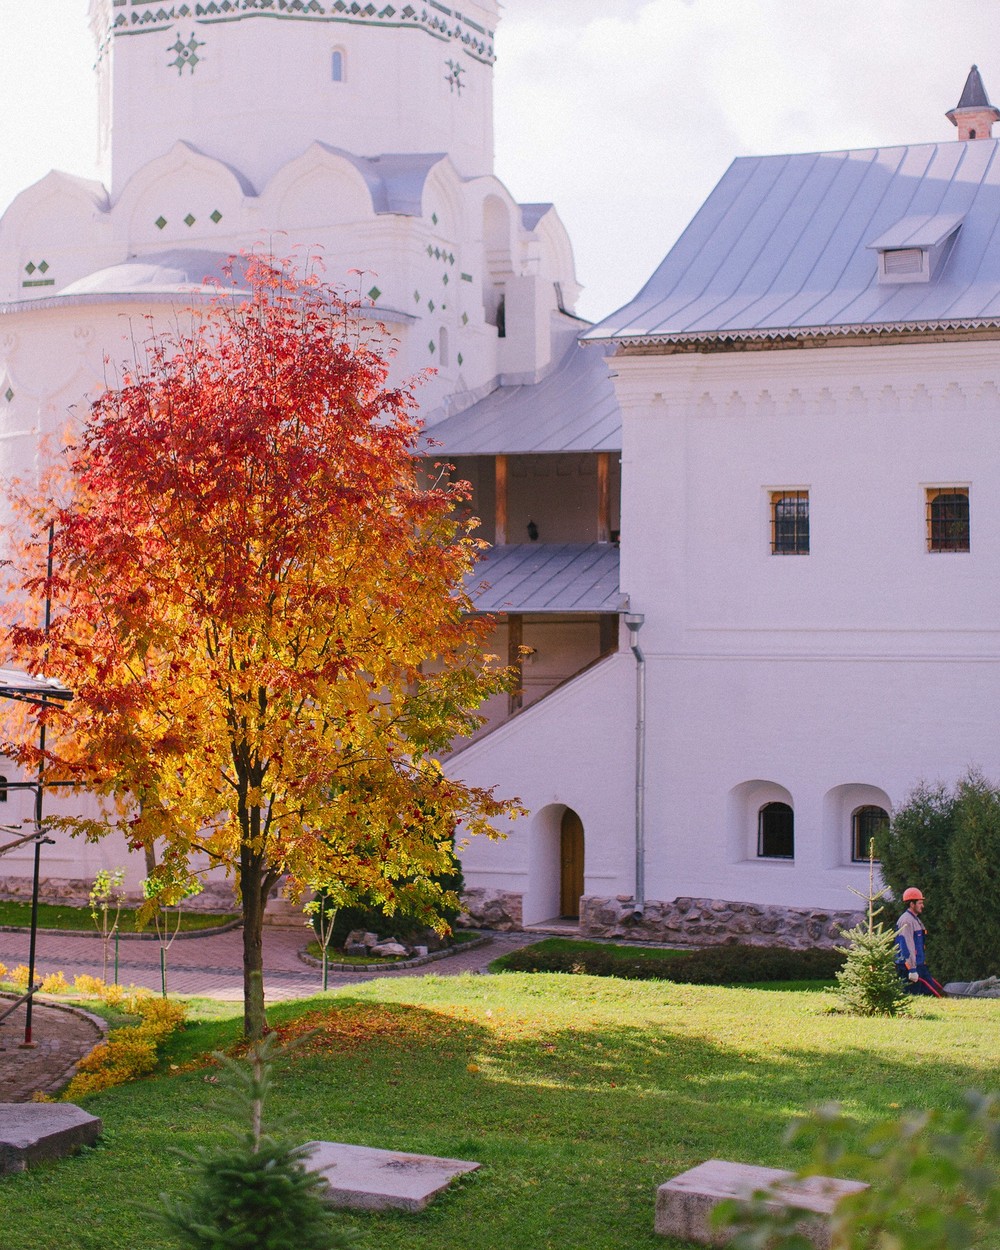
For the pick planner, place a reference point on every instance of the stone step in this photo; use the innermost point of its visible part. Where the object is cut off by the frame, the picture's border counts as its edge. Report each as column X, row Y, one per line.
column 32, row 1132
column 685, row 1204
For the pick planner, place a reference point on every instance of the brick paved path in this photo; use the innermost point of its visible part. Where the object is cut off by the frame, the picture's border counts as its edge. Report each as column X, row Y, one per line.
column 206, row 966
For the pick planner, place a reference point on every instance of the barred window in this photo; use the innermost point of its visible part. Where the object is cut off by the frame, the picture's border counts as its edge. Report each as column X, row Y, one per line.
column 789, row 522
column 948, row 518
column 776, row 831
column 866, row 823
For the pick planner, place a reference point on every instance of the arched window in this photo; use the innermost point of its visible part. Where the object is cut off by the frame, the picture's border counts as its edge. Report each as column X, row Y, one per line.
column 3, row 789
column 337, row 65
column 866, row 823
column 444, row 357
column 776, row 831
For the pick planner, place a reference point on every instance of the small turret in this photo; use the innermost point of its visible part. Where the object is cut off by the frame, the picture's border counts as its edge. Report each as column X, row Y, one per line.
column 974, row 115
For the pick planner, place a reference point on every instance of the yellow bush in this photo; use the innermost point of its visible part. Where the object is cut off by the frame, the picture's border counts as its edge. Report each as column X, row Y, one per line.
column 112, row 995
column 3, row 971
column 20, row 977
column 90, row 986
column 54, row 983
column 130, row 1052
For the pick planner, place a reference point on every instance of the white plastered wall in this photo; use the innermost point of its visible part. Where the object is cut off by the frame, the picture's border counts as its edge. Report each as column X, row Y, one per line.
column 857, row 670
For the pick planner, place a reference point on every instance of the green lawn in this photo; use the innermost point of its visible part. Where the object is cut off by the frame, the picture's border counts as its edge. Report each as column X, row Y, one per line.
column 577, row 1094
column 55, row 916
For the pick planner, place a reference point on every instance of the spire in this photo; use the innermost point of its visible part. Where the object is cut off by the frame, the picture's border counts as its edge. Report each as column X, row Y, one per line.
column 974, row 115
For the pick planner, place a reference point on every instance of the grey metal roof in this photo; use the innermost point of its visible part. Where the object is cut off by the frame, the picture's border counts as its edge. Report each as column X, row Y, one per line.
column 573, row 408
column 781, row 247
column 548, row 578
column 28, row 689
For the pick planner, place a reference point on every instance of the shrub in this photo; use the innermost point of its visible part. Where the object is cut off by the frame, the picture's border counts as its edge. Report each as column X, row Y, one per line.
column 868, row 983
column 716, row 965
column 54, row 983
column 89, row 986
column 129, row 1052
column 948, row 844
column 19, row 977
column 416, row 907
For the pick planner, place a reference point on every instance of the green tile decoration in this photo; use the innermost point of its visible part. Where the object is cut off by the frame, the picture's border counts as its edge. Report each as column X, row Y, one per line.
column 466, row 277
column 433, row 349
column 190, row 219
column 431, row 305
column 374, row 293
column 216, row 216
column 434, row 218
column 468, row 37
column 40, row 282
column 43, row 266
column 416, row 297
column 8, row 394
column 29, row 268
column 430, row 249
column 465, row 319
column 160, row 222
column 459, row 358
column 186, row 54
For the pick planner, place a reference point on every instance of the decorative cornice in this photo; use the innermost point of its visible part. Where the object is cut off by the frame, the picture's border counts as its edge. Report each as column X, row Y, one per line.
column 735, row 340
column 134, row 17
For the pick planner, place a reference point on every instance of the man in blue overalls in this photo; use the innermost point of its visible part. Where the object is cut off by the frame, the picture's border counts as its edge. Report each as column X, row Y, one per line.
column 910, row 933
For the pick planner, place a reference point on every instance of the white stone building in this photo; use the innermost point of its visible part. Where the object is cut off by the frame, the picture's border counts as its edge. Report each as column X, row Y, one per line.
column 795, row 442
column 810, row 524
column 364, row 132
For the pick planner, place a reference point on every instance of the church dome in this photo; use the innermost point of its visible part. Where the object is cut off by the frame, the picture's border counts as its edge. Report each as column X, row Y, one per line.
column 177, row 272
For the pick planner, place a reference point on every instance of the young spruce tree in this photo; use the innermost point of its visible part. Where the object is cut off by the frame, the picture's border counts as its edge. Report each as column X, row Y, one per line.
column 253, row 1193
column 868, row 983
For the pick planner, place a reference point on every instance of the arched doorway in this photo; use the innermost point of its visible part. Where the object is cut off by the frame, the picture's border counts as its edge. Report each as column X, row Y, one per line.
column 570, row 865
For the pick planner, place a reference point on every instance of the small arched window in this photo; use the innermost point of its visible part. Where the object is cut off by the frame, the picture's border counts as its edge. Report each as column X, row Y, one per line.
column 776, row 831
column 444, row 357
column 3, row 789
column 866, row 823
column 337, row 65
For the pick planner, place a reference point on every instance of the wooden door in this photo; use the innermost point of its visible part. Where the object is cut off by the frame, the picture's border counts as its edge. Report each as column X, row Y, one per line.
column 570, row 865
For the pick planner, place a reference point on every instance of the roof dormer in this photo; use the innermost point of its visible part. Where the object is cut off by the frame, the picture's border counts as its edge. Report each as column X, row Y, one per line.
column 915, row 248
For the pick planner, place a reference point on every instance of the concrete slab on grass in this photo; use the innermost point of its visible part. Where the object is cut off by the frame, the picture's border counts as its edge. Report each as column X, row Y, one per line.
column 366, row 1179
column 685, row 1204
column 31, row 1132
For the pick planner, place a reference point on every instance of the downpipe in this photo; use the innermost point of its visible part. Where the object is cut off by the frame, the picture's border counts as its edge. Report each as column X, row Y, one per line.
column 633, row 622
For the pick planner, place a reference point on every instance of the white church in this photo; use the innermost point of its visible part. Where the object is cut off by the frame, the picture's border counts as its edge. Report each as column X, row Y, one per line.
column 740, row 528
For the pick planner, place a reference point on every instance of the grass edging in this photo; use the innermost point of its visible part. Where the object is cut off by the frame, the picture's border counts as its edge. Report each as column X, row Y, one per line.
column 214, row 931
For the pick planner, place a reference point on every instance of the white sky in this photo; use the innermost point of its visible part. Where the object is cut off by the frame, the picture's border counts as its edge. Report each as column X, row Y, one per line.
column 625, row 113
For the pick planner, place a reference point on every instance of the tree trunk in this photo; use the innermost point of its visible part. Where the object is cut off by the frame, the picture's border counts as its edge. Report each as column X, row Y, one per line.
column 252, row 899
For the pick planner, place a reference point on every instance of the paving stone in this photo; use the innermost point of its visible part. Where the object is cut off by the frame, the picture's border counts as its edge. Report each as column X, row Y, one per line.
column 685, row 1204
column 32, row 1132
column 366, row 1179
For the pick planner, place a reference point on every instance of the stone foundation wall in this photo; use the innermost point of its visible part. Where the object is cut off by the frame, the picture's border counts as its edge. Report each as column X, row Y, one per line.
column 75, row 891
column 491, row 909
column 713, row 922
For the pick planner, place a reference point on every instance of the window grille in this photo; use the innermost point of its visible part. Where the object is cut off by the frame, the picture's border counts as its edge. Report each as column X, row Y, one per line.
column 790, row 523
column 948, row 519
column 776, row 831
column 866, row 823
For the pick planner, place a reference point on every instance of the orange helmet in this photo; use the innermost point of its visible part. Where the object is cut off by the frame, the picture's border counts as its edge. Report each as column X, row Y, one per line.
column 912, row 894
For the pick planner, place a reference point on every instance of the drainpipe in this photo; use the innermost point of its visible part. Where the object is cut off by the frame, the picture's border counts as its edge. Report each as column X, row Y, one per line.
column 633, row 621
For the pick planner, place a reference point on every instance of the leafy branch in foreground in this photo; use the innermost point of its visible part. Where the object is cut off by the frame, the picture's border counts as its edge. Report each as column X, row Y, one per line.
column 934, row 1183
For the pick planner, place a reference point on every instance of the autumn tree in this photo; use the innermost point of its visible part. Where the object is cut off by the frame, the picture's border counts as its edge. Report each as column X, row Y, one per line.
column 260, row 611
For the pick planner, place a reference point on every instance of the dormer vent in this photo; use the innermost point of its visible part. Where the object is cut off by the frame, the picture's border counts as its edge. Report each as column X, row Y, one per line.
column 974, row 115
column 915, row 248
